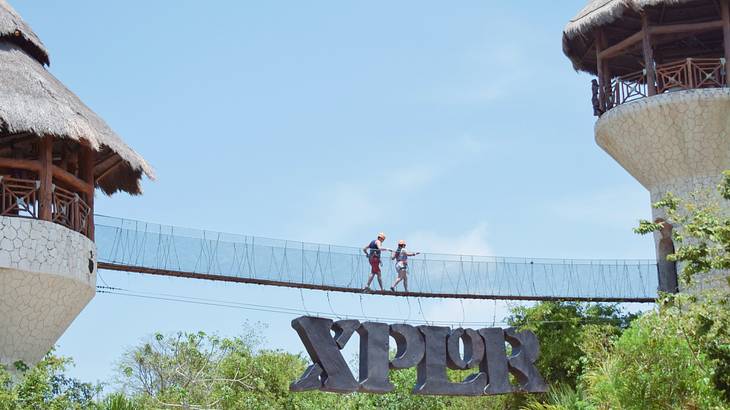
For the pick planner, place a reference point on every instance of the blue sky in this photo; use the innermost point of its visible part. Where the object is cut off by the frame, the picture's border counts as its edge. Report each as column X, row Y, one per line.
column 459, row 126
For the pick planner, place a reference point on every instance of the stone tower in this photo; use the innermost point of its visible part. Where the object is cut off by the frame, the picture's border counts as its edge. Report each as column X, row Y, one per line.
column 661, row 95
column 54, row 153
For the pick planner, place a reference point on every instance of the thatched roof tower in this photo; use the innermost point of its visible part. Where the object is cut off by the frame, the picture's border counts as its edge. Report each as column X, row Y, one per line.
column 34, row 104
column 662, row 95
column 54, row 153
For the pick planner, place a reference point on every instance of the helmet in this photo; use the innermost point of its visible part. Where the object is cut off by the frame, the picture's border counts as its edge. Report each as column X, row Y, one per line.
column 401, row 243
column 381, row 235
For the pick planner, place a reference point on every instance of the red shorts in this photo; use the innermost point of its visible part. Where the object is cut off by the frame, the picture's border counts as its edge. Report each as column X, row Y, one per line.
column 375, row 264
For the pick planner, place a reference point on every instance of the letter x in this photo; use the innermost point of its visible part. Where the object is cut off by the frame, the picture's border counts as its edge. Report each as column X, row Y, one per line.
column 328, row 371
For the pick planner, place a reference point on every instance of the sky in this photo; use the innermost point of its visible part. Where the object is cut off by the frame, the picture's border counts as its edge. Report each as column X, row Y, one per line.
column 459, row 126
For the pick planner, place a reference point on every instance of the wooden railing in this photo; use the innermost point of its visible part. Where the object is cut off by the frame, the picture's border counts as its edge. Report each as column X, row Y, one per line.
column 69, row 210
column 19, row 198
column 685, row 74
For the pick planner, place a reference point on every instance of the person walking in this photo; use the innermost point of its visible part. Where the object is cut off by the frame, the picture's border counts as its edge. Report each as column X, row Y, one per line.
column 401, row 266
column 373, row 251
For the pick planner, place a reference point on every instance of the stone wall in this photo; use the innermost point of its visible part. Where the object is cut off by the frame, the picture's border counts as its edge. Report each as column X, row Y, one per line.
column 675, row 142
column 47, row 276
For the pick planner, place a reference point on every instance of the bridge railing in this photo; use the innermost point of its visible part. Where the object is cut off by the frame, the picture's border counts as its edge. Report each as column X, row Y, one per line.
column 152, row 248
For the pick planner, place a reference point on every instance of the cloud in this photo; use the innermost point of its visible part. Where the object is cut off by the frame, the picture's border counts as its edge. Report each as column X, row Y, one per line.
column 471, row 242
column 455, row 311
column 609, row 207
column 471, row 144
column 412, row 178
column 488, row 74
column 346, row 207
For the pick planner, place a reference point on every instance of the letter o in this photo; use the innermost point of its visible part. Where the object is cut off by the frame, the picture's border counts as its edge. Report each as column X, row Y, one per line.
column 473, row 349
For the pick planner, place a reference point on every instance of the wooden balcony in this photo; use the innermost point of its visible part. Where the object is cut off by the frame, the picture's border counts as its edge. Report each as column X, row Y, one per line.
column 688, row 74
column 20, row 198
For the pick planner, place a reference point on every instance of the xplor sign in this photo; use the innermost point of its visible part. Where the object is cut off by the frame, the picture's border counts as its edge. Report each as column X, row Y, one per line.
column 431, row 349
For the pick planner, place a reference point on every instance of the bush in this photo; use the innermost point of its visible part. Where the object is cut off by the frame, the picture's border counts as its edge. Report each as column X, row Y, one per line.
column 653, row 366
column 561, row 328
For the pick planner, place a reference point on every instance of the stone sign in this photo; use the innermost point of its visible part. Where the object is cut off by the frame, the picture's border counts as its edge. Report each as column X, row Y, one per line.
column 431, row 349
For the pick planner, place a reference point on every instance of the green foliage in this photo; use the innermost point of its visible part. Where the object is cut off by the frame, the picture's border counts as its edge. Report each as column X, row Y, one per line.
column 561, row 328
column 706, row 324
column 562, row 397
column 118, row 401
column 45, row 386
column 653, row 365
column 201, row 371
column 701, row 232
column 702, row 245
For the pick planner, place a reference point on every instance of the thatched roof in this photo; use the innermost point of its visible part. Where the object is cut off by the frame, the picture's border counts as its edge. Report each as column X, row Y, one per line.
column 600, row 12
column 13, row 28
column 622, row 18
column 33, row 101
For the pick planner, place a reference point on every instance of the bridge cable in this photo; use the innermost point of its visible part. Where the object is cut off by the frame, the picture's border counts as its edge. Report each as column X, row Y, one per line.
column 329, row 302
column 494, row 313
column 463, row 313
column 285, row 310
column 362, row 309
column 420, row 308
column 301, row 295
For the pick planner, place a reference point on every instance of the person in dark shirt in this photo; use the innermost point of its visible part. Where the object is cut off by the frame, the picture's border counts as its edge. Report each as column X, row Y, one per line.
column 373, row 251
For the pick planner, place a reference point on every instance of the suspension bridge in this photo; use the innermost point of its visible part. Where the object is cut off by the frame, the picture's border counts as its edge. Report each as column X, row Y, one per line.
column 150, row 248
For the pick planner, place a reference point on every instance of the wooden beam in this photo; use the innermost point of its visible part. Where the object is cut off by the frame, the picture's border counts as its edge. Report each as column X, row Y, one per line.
column 101, row 161
column 686, row 28
column 71, row 180
column 73, row 160
column 103, row 167
column 45, row 162
column 101, row 173
column 634, row 39
column 15, row 138
column 57, row 172
column 648, row 56
column 604, row 72
column 600, row 42
column 621, row 46
column 27, row 164
column 661, row 14
column 86, row 171
column 725, row 14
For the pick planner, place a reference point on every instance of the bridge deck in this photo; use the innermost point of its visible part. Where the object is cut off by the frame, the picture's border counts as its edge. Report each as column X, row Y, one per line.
column 134, row 246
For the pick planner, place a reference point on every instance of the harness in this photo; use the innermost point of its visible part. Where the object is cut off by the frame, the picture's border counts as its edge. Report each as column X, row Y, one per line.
column 401, row 258
column 374, row 250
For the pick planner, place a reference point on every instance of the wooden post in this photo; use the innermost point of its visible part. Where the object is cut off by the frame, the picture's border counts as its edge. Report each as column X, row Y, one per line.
column 45, row 174
column 725, row 14
column 648, row 56
column 600, row 42
column 87, row 174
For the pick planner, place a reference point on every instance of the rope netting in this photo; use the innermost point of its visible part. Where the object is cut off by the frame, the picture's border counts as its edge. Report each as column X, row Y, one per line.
column 136, row 246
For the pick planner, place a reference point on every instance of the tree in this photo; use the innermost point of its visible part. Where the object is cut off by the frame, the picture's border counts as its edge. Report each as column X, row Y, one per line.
column 702, row 246
column 45, row 386
column 701, row 231
column 561, row 328
column 196, row 370
column 654, row 365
